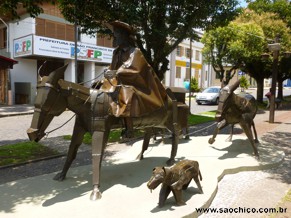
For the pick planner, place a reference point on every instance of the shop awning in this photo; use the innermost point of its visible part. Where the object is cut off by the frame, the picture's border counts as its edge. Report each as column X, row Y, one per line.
column 7, row 62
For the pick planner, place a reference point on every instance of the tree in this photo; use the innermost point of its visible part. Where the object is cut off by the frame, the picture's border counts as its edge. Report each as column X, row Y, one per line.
column 272, row 26
column 259, row 69
column 241, row 43
column 8, row 8
column 227, row 48
column 216, row 51
column 160, row 25
column 280, row 7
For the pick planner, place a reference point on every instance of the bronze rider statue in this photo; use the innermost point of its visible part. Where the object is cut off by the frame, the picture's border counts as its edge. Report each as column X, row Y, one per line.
column 131, row 82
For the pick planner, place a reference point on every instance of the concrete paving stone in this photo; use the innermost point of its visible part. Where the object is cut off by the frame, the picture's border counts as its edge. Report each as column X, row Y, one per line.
column 124, row 179
column 263, row 188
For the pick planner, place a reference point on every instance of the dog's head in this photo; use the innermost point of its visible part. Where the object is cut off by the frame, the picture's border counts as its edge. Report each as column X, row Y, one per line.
column 158, row 177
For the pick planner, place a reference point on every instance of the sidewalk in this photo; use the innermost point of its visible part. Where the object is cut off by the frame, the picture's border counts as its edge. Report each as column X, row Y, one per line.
column 254, row 189
column 15, row 110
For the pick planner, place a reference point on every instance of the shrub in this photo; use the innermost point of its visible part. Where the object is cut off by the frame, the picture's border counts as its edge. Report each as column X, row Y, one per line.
column 194, row 85
column 244, row 83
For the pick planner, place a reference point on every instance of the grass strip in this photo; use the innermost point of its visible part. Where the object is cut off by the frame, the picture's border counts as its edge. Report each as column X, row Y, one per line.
column 26, row 151
column 115, row 134
column 23, row 151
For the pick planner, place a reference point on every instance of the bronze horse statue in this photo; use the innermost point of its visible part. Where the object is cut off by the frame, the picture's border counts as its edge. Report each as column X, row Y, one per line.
column 233, row 109
column 91, row 107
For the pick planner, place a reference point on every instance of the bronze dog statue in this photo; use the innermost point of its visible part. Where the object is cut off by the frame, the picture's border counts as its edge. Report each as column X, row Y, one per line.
column 175, row 178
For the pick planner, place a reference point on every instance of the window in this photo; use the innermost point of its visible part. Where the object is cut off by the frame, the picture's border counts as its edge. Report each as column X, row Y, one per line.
column 50, row 29
column 197, row 55
column 180, row 51
column 60, row 31
column 178, row 72
column 196, row 74
column 55, row 29
column 70, row 32
column 188, row 52
column 3, row 37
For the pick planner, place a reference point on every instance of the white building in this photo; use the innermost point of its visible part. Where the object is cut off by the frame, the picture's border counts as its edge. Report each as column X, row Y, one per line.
column 180, row 65
column 45, row 43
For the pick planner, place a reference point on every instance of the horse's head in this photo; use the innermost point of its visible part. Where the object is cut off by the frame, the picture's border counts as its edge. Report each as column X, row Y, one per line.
column 225, row 100
column 48, row 103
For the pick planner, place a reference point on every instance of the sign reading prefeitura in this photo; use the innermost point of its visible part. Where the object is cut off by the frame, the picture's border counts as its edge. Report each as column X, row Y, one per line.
column 44, row 46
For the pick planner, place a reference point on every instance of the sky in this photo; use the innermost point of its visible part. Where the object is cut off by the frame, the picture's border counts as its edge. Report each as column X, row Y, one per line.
column 243, row 3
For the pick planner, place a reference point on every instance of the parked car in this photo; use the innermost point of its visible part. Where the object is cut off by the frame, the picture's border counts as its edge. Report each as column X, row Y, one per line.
column 208, row 96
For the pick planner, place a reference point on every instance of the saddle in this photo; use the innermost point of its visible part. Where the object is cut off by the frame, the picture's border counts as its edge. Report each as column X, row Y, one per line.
column 134, row 88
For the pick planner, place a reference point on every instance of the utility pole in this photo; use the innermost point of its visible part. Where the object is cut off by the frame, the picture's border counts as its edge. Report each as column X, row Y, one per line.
column 275, row 48
column 76, row 42
column 190, row 75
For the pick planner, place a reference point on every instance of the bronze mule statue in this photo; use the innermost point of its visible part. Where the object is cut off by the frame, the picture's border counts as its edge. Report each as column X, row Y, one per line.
column 175, row 178
column 233, row 109
column 91, row 107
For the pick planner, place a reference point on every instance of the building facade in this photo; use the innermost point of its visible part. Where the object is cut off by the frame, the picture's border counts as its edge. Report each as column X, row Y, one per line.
column 180, row 61
column 41, row 45
column 45, row 43
column 5, row 91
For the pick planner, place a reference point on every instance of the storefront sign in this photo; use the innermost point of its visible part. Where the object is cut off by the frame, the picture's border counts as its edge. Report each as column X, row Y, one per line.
column 22, row 46
column 180, row 63
column 50, row 47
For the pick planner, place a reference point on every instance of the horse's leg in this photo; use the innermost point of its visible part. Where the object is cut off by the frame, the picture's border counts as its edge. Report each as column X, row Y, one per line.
column 99, row 140
column 175, row 142
column 229, row 139
column 247, row 129
column 155, row 133
column 255, row 132
column 219, row 126
column 175, row 134
column 187, row 133
column 77, row 138
column 163, row 133
column 146, row 141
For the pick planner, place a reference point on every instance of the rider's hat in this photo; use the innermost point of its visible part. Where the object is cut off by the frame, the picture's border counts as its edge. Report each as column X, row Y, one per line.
column 120, row 25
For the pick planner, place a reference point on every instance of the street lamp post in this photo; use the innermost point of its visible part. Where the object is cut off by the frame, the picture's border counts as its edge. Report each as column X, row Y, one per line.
column 275, row 48
column 190, row 75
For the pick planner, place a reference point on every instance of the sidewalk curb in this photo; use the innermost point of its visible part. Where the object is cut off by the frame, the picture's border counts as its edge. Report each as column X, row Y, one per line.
column 32, row 161
column 16, row 114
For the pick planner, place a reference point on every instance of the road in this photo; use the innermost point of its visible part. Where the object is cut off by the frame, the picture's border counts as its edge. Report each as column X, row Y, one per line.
column 13, row 129
column 196, row 109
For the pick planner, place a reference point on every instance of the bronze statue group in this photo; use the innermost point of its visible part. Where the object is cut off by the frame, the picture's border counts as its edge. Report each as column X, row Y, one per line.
column 131, row 96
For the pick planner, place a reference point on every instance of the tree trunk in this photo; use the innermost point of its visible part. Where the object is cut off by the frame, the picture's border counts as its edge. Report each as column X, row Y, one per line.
column 260, row 89
column 280, row 90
